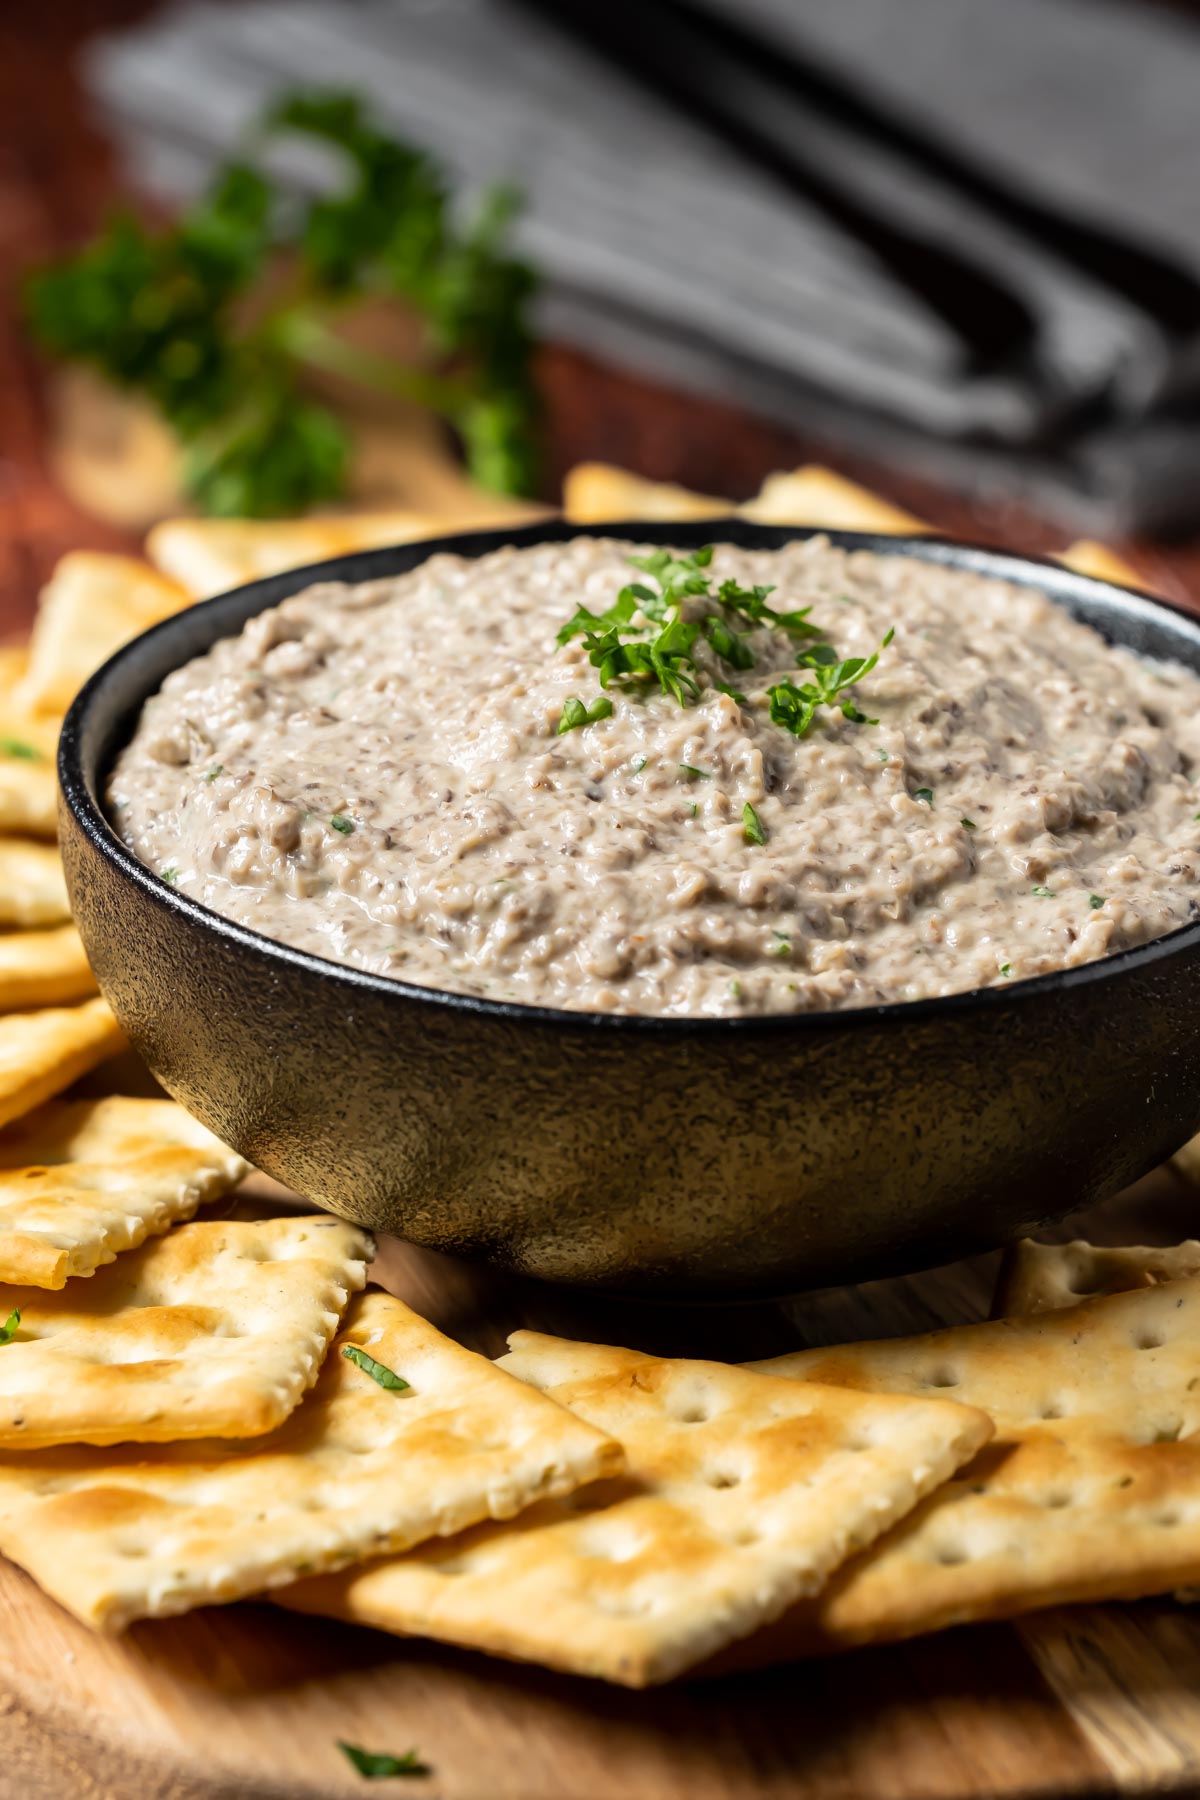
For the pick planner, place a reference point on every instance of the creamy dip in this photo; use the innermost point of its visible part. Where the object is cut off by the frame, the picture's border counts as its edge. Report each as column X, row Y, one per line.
column 375, row 773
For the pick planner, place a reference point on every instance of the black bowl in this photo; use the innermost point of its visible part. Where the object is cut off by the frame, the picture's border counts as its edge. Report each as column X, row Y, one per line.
column 672, row 1157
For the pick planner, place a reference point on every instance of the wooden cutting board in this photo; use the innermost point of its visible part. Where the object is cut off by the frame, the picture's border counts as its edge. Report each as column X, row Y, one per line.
column 247, row 1702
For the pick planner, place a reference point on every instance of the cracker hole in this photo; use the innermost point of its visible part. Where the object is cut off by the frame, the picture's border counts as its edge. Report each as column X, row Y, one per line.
column 949, row 1558
column 722, row 1478
column 1057, row 1500
column 692, row 1415
column 742, row 1540
column 1050, row 1410
column 1168, row 1433
column 941, row 1378
column 1148, row 1340
column 1123, row 1481
column 1167, row 1519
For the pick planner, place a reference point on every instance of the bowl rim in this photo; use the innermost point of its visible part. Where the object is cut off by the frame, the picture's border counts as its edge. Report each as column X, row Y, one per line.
column 79, row 787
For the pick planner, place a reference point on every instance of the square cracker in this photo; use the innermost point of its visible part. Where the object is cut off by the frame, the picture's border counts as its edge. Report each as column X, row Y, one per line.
column 742, row 1492
column 43, row 967
column 1039, row 1277
column 82, row 1180
column 43, row 1052
column 816, row 496
column 28, row 796
column 32, row 888
column 1089, row 1491
column 355, row 1470
column 215, row 1330
column 93, row 603
column 595, row 492
column 210, row 556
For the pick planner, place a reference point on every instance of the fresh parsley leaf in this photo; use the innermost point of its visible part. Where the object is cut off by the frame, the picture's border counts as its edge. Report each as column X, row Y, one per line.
column 968, row 825
column 8, row 1330
column 170, row 875
column 575, row 713
column 796, row 707
column 343, row 824
column 1042, row 893
column 387, row 1378
column 925, row 794
column 694, row 774
column 218, row 769
column 722, row 688
column 735, row 990
column 1096, row 901
column 752, row 827
column 750, row 604
column 883, row 756
column 376, row 1765
column 1006, row 968
column 20, row 750
column 639, row 763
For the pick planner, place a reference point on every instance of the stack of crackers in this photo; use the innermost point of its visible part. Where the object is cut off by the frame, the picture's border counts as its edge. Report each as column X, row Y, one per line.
column 196, row 1408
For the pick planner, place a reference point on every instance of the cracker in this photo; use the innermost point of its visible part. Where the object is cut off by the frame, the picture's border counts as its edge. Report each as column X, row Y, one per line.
column 43, row 968
column 32, row 888
column 1090, row 1490
column 93, row 603
column 742, row 1492
column 210, row 556
column 1039, row 1277
column 215, row 1330
column 83, row 1180
column 1089, row 558
column 355, row 1470
column 595, row 492
column 28, row 797
column 816, row 496
column 43, row 1052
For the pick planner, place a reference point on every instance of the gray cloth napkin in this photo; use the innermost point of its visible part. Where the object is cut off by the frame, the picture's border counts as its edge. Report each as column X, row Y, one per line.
column 665, row 252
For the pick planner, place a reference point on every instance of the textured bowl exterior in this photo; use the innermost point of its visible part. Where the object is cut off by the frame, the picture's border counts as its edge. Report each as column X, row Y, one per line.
column 687, row 1158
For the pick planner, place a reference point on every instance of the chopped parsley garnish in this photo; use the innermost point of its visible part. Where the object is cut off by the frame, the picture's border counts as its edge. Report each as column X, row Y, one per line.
column 643, row 639
column 341, row 823
column 18, row 748
column 693, row 809
column 782, row 947
column 214, row 772
column 796, row 707
column 387, row 1378
column 1096, row 901
column 1006, row 968
column 639, row 763
column 735, row 990
column 375, row 1765
column 575, row 713
column 1042, row 893
column 925, row 794
column 724, row 688
column 170, row 875
column 883, row 756
column 8, row 1330
column 968, row 825
column 695, row 774
column 752, row 827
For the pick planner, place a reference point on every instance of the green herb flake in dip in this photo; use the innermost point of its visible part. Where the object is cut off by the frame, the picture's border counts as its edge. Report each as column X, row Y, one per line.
column 379, row 1765
column 452, row 677
column 8, row 1330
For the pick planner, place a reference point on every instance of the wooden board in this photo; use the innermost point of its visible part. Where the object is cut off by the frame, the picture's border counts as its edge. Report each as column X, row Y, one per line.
column 247, row 1702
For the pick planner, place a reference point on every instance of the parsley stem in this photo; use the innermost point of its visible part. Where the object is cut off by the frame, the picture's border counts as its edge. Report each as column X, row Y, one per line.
column 301, row 333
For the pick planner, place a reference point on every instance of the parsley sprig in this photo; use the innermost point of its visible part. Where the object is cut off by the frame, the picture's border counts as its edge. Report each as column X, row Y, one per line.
column 643, row 639
column 8, row 1330
column 198, row 319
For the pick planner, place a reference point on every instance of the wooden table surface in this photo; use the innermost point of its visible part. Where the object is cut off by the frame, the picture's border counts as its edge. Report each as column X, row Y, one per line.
column 243, row 1702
